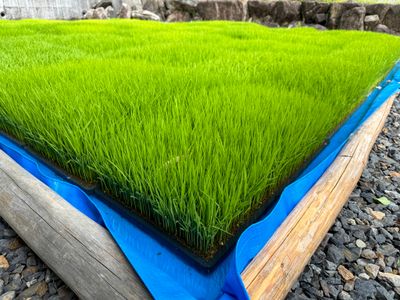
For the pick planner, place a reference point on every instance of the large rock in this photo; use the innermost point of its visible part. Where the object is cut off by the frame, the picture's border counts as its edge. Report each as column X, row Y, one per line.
column 379, row 9
column 392, row 18
column 285, row 12
column 125, row 11
column 103, row 3
column 134, row 4
column 221, row 10
column 154, row 6
column 100, row 13
column 179, row 16
column 260, row 9
column 280, row 12
column 335, row 13
column 145, row 15
column 182, row 10
column 370, row 22
column 315, row 12
column 353, row 19
column 189, row 6
column 382, row 29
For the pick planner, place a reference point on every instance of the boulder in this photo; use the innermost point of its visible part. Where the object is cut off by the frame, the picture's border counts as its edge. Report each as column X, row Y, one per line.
column 109, row 12
column 103, row 3
column 99, row 13
column 379, row 9
column 182, row 10
column 183, row 5
column 281, row 12
column 335, row 13
column 353, row 19
column 382, row 28
column 134, row 4
column 266, row 21
column 179, row 16
column 259, row 9
column 316, row 26
column 370, row 22
column 155, row 6
column 221, row 10
column 145, row 15
column 285, row 12
column 89, row 14
column 315, row 12
column 125, row 11
column 392, row 18
column 320, row 18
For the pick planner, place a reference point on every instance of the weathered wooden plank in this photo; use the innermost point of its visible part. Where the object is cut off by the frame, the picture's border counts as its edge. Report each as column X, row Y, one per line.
column 275, row 269
column 77, row 249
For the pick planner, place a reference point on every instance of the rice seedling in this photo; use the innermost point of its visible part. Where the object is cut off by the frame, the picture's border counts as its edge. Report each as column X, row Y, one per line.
column 190, row 125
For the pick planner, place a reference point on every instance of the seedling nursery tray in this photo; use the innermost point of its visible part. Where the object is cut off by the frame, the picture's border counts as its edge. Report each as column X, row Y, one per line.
column 205, row 262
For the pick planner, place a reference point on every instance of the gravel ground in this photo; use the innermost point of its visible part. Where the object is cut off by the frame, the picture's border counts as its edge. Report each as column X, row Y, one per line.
column 359, row 258
column 23, row 275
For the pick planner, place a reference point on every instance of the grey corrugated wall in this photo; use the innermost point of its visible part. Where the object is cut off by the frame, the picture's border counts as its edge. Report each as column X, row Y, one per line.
column 44, row 9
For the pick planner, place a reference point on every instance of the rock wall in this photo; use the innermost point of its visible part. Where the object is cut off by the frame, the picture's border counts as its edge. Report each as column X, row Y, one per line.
column 275, row 13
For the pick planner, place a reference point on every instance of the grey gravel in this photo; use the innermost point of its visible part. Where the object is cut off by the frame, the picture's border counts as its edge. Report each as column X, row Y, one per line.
column 365, row 237
column 26, row 276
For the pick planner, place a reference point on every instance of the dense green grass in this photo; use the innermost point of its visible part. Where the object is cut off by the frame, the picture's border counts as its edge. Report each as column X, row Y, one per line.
column 190, row 124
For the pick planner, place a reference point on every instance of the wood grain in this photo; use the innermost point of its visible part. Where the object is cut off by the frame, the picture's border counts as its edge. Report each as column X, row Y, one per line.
column 81, row 252
column 272, row 273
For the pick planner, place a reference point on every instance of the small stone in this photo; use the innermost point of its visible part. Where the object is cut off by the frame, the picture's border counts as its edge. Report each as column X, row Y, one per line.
column 39, row 289
column 18, row 269
column 393, row 195
column 8, row 296
column 325, row 287
column 387, row 249
column 352, row 254
column 387, row 270
column 393, row 207
column 393, row 279
column 15, row 244
column 364, row 289
column 31, row 261
column 345, row 273
column 7, row 233
column 390, row 261
column 360, row 244
column 65, row 293
column 344, row 296
column 333, row 291
column 368, row 254
column 4, row 263
column 362, row 262
column 29, row 271
column 334, row 254
column 372, row 270
column 378, row 215
column 351, row 222
column 363, row 276
column 349, row 285
column 330, row 266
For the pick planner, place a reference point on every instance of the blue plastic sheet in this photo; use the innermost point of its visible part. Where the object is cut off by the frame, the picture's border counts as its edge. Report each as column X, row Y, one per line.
column 162, row 269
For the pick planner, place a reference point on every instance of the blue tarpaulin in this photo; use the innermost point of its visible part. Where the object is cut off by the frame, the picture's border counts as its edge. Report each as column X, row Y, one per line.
column 162, row 269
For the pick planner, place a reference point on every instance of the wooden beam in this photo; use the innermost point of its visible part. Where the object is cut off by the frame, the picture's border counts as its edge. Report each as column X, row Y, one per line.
column 272, row 273
column 81, row 252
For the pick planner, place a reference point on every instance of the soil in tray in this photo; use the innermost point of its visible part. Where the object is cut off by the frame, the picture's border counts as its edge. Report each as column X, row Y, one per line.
column 194, row 128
